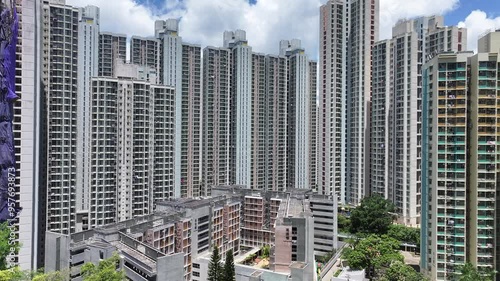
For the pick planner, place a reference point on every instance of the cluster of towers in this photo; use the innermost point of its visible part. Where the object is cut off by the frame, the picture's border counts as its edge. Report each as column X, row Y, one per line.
column 116, row 132
column 413, row 119
column 101, row 134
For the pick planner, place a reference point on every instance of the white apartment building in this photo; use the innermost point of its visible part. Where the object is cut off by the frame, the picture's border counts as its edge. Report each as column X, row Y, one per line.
column 112, row 46
column 332, row 99
column 396, row 114
column 28, row 134
column 362, row 17
column 298, row 101
column 241, row 107
column 60, row 79
column 87, row 66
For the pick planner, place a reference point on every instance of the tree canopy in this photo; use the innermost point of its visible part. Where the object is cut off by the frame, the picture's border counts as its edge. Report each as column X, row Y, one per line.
column 398, row 271
column 373, row 253
column 7, row 245
column 373, row 215
column 404, row 233
column 106, row 270
column 15, row 274
column 468, row 272
column 215, row 272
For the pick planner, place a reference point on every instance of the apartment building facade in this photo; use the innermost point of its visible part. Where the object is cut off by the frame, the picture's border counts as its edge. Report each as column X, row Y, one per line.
column 59, row 32
column 87, row 66
column 216, row 118
column 396, row 111
column 29, row 130
column 460, row 162
column 112, row 46
column 276, row 123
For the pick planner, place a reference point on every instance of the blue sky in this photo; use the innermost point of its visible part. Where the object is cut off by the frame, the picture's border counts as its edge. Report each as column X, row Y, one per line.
column 465, row 7
column 269, row 21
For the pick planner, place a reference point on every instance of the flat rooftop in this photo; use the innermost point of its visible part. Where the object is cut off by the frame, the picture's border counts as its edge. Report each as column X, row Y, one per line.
column 295, row 207
column 135, row 254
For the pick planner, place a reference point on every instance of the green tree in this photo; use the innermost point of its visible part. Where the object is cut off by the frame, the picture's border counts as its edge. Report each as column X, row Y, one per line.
column 373, row 215
column 265, row 251
column 7, row 245
column 106, row 270
column 398, row 271
column 343, row 223
column 404, row 233
column 15, row 274
column 373, row 253
column 468, row 272
column 214, row 266
column 229, row 273
column 326, row 257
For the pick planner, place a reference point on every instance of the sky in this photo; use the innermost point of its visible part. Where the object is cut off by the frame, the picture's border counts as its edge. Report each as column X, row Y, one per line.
column 269, row 21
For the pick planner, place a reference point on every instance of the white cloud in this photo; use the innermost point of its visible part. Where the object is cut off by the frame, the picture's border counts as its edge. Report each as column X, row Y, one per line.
column 393, row 10
column 477, row 23
column 267, row 22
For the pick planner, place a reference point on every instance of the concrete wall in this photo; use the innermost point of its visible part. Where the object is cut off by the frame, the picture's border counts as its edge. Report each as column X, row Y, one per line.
column 171, row 268
column 56, row 251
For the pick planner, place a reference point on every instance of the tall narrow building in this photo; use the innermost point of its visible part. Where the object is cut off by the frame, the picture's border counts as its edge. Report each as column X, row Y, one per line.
column 313, row 125
column 258, row 167
column 298, row 102
column 191, row 128
column 363, row 20
column 460, row 159
column 88, row 66
column 381, row 120
column 60, row 80
column 28, row 138
column 332, row 99
column 216, row 118
column 240, row 107
column 445, row 162
column 180, row 67
column 276, row 123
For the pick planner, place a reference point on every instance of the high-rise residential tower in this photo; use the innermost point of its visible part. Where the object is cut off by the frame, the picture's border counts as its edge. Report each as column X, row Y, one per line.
column 332, row 99
column 191, row 114
column 276, row 123
column 396, row 111
column 28, row 138
column 60, row 80
column 258, row 168
column 88, row 66
column 348, row 31
column 381, row 119
column 298, row 101
column 460, row 160
column 216, row 118
column 241, row 107
column 180, row 67
column 313, row 125
column 362, row 19
column 132, row 146
column 145, row 51
column 111, row 47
